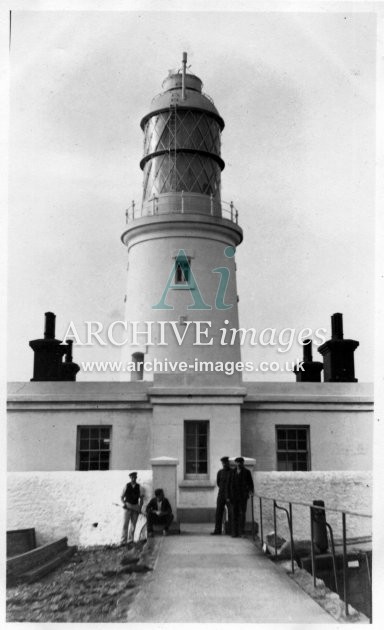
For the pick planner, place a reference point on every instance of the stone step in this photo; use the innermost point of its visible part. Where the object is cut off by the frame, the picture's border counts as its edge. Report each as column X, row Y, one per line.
column 47, row 567
column 35, row 557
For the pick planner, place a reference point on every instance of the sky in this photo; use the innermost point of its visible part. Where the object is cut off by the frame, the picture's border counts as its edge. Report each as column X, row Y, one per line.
column 297, row 91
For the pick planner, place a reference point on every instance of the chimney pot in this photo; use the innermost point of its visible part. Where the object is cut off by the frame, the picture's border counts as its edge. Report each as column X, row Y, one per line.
column 337, row 326
column 50, row 325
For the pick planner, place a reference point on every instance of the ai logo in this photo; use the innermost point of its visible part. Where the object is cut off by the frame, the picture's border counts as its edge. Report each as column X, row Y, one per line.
column 199, row 304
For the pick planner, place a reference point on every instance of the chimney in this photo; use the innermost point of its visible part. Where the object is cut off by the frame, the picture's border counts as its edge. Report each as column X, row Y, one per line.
column 50, row 325
column 308, row 371
column 337, row 326
column 338, row 353
column 69, row 369
column 48, row 355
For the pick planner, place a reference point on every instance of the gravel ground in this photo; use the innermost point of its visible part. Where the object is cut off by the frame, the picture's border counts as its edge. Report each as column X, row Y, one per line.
column 95, row 585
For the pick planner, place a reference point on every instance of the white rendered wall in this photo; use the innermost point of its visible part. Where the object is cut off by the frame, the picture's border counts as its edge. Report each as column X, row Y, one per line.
column 151, row 258
column 344, row 490
column 59, row 504
column 47, row 440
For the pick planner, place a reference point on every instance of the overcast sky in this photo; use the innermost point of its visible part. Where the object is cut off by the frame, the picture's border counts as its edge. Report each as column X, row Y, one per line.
column 297, row 93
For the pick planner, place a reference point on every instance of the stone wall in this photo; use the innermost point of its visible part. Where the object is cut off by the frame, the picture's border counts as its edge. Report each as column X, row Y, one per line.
column 69, row 504
column 351, row 491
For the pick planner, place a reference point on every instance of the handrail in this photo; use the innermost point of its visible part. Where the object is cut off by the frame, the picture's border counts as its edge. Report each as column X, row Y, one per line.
column 312, row 508
column 223, row 209
column 318, row 507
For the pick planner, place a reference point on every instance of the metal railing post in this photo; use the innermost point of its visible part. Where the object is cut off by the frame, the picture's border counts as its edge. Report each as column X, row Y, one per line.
column 126, row 216
column 231, row 206
column 313, row 560
column 345, row 564
column 211, row 204
column 133, row 210
column 275, row 527
column 261, row 520
column 333, row 557
column 237, row 216
column 291, row 535
column 182, row 202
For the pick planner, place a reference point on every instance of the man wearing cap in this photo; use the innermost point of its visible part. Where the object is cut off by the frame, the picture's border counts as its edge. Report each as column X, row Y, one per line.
column 132, row 499
column 223, row 482
column 241, row 487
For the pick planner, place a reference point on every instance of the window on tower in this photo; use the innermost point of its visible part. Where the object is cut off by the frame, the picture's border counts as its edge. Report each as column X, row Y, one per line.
column 196, row 434
column 292, row 448
column 93, row 448
column 138, row 360
column 182, row 270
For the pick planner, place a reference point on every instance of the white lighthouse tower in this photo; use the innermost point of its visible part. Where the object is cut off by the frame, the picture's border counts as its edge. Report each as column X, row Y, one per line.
column 181, row 287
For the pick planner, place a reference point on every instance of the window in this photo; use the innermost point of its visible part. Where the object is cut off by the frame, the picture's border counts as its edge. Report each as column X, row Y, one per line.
column 94, row 448
column 292, row 448
column 138, row 360
column 196, row 448
column 182, row 270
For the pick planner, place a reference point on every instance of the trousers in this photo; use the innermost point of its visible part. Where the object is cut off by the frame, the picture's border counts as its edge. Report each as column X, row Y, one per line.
column 239, row 510
column 130, row 516
column 220, row 508
column 154, row 519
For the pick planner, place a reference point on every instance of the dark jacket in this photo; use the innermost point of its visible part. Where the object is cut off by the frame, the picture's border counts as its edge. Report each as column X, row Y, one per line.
column 241, row 485
column 165, row 506
column 223, row 482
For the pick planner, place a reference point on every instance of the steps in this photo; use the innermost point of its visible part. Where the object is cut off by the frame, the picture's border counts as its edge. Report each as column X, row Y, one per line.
column 33, row 564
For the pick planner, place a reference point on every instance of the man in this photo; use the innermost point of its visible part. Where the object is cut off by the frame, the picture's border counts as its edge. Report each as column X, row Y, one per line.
column 223, row 483
column 241, row 487
column 159, row 512
column 132, row 499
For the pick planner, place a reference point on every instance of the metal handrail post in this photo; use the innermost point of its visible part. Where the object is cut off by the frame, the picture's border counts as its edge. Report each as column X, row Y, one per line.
column 291, row 535
column 253, row 518
column 313, row 560
column 333, row 556
column 345, row 564
column 261, row 520
column 275, row 527
column 211, row 204
column 182, row 202
column 231, row 206
column 289, row 519
column 237, row 216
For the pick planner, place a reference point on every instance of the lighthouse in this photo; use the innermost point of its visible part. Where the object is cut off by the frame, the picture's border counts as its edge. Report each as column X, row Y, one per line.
column 181, row 296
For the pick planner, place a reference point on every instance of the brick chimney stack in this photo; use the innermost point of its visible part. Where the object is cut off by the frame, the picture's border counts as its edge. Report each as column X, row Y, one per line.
column 308, row 371
column 338, row 353
column 48, row 360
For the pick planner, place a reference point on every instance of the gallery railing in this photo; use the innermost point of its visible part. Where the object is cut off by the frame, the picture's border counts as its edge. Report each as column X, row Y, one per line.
column 183, row 203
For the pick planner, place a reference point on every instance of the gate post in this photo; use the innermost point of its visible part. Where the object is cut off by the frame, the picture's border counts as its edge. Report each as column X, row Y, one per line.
column 164, row 475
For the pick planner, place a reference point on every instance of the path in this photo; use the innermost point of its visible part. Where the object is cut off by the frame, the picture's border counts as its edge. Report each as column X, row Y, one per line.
column 206, row 579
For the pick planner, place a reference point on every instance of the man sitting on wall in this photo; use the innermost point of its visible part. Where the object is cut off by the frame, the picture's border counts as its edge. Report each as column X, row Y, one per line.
column 132, row 498
column 159, row 512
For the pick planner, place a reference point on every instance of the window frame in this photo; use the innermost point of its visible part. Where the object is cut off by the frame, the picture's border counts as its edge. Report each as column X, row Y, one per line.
column 295, row 427
column 198, row 475
column 79, row 438
column 184, row 264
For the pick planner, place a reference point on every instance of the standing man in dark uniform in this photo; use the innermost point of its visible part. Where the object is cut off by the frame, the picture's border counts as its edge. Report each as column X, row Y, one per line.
column 223, row 482
column 132, row 498
column 241, row 488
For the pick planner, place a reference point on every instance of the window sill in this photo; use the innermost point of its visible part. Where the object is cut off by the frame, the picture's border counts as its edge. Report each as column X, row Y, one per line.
column 197, row 483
